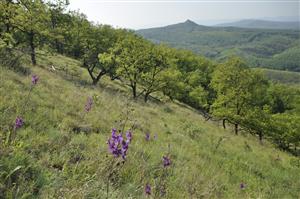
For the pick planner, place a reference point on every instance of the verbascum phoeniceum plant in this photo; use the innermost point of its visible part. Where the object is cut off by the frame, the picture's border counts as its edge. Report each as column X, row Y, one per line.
column 19, row 121
column 118, row 145
column 87, row 108
column 160, row 188
column 147, row 189
column 88, row 105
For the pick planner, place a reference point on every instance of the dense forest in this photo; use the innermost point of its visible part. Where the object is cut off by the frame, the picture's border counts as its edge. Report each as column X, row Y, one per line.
column 227, row 91
column 267, row 48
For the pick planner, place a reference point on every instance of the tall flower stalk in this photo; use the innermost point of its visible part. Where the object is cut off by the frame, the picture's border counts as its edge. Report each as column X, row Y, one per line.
column 148, row 189
column 147, row 136
column 19, row 121
column 34, row 81
column 162, row 180
column 117, row 146
column 166, row 161
column 88, row 105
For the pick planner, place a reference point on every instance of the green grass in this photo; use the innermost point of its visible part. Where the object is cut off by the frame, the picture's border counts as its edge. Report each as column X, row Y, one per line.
column 50, row 159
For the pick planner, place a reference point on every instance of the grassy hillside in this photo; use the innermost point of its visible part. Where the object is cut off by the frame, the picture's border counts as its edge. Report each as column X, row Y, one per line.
column 287, row 59
column 61, row 151
column 254, row 23
column 285, row 77
column 259, row 47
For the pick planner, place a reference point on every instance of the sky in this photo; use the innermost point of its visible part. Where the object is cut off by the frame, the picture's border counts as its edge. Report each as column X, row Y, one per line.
column 139, row 14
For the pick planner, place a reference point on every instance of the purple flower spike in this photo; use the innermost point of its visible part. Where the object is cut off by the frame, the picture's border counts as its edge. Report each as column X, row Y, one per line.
column 34, row 79
column 114, row 133
column 129, row 136
column 19, row 122
column 147, row 136
column 117, row 145
column 148, row 189
column 242, row 186
column 88, row 105
column 166, row 161
column 124, row 149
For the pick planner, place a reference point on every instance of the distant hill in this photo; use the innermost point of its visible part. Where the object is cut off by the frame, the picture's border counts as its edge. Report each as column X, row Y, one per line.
column 263, row 24
column 285, row 77
column 266, row 48
column 187, row 26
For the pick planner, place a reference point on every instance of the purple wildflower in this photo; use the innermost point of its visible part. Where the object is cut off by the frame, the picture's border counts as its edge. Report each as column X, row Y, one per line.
column 129, row 136
column 34, row 79
column 148, row 189
column 242, row 186
column 19, row 122
column 147, row 136
column 117, row 145
column 114, row 133
column 166, row 161
column 88, row 105
column 124, row 149
column 155, row 136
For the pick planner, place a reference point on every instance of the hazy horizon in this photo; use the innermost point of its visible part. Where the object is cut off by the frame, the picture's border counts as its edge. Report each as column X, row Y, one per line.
column 141, row 14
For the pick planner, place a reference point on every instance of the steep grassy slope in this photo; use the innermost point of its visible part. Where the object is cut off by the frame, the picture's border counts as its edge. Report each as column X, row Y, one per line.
column 61, row 151
column 259, row 47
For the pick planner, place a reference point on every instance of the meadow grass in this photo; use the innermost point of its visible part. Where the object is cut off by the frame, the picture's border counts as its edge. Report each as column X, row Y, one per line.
column 61, row 151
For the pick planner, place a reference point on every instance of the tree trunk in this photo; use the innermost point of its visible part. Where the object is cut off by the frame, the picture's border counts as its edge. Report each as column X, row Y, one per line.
column 8, row 31
column 224, row 125
column 7, row 25
column 133, row 86
column 90, row 70
column 146, row 97
column 236, row 128
column 32, row 48
column 260, row 134
column 58, row 47
column 95, row 81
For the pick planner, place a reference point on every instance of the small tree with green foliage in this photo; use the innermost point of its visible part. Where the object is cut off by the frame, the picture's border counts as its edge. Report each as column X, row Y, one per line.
column 32, row 20
column 157, row 63
column 173, row 83
column 196, row 76
column 59, row 25
column 95, row 60
column 130, row 57
column 234, row 85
